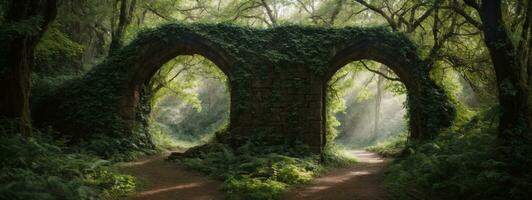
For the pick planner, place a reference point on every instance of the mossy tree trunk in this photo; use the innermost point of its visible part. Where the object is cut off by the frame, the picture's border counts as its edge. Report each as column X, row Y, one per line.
column 25, row 23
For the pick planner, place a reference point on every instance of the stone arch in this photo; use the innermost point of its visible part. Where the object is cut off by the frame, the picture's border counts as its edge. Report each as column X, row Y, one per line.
column 428, row 106
column 404, row 65
column 151, row 56
column 106, row 100
column 277, row 79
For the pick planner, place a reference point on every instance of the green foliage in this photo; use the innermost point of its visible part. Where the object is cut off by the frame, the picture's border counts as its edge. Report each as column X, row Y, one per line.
column 258, row 171
column 450, row 81
column 253, row 188
column 91, row 120
column 333, row 156
column 351, row 101
column 56, row 52
column 164, row 141
column 29, row 26
column 45, row 84
column 88, row 23
column 111, row 183
column 462, row 164
column 12, row 30
column 115, row 148
column 55, row 62
column 337, row 87
column 190, row 101
column 391, row 147
column 395, row 87
column 178, row 77
column 3, row 8
column 41, row 169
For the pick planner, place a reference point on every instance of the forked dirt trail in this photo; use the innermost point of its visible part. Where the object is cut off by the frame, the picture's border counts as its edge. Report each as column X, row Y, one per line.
column 363, row 181
column 167, row 181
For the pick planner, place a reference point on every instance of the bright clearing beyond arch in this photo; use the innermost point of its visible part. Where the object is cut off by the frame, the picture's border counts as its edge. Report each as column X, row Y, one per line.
column 365, row 105
column 189, row 101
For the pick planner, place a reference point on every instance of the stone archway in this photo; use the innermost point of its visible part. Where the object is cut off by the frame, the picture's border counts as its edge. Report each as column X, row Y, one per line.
column 151, row 56
column 277, row 79
column 108, row 99
column 429, row 109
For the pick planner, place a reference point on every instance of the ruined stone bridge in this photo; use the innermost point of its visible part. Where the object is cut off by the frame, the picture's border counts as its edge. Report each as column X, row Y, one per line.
column 278, row 80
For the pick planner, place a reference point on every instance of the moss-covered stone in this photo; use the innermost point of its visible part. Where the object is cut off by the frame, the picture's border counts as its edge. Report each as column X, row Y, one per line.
column 277, row 79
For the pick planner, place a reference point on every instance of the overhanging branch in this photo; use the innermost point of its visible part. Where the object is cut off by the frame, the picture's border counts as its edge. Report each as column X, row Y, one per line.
column 379, row 73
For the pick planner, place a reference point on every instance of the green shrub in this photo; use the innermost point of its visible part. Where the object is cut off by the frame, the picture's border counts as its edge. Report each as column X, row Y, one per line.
column 334, row 156
column 116, row 148
column 465, row 164
column 391, row 147
column 291, row 173
column 112, row 184
column 244, row 188
column 164, row 140
column 41, row 169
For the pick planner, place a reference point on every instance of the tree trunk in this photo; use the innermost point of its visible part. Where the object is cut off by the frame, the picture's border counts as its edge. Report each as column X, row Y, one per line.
column 16, row 57
column 512, row 82
column 124, row 19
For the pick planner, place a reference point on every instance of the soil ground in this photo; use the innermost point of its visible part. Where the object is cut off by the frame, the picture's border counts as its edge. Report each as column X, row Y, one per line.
column 362, row 181
column 167, row 181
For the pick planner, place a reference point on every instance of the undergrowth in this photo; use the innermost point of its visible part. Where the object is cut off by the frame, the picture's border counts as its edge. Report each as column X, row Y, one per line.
column 165, row 141
column 391, row 147
column 117, row 148
column 42, row 169
column 255, row 171
column 465, row 163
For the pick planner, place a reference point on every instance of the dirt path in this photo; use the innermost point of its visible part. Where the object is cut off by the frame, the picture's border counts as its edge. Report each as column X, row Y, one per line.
column 167, row 181
column 360, row 182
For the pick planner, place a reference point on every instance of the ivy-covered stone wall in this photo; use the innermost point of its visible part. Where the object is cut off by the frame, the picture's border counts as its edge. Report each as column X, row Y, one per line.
column 277, row 77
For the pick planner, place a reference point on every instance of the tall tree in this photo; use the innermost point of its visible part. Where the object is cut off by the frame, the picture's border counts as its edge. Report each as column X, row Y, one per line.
column 512, row 63
column 24, row 24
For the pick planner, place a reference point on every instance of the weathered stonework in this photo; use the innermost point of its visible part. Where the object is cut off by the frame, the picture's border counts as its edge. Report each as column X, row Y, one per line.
column 278, row 78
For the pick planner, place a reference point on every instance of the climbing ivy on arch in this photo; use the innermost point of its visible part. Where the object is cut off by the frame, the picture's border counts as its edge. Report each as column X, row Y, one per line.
column 276, row 78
